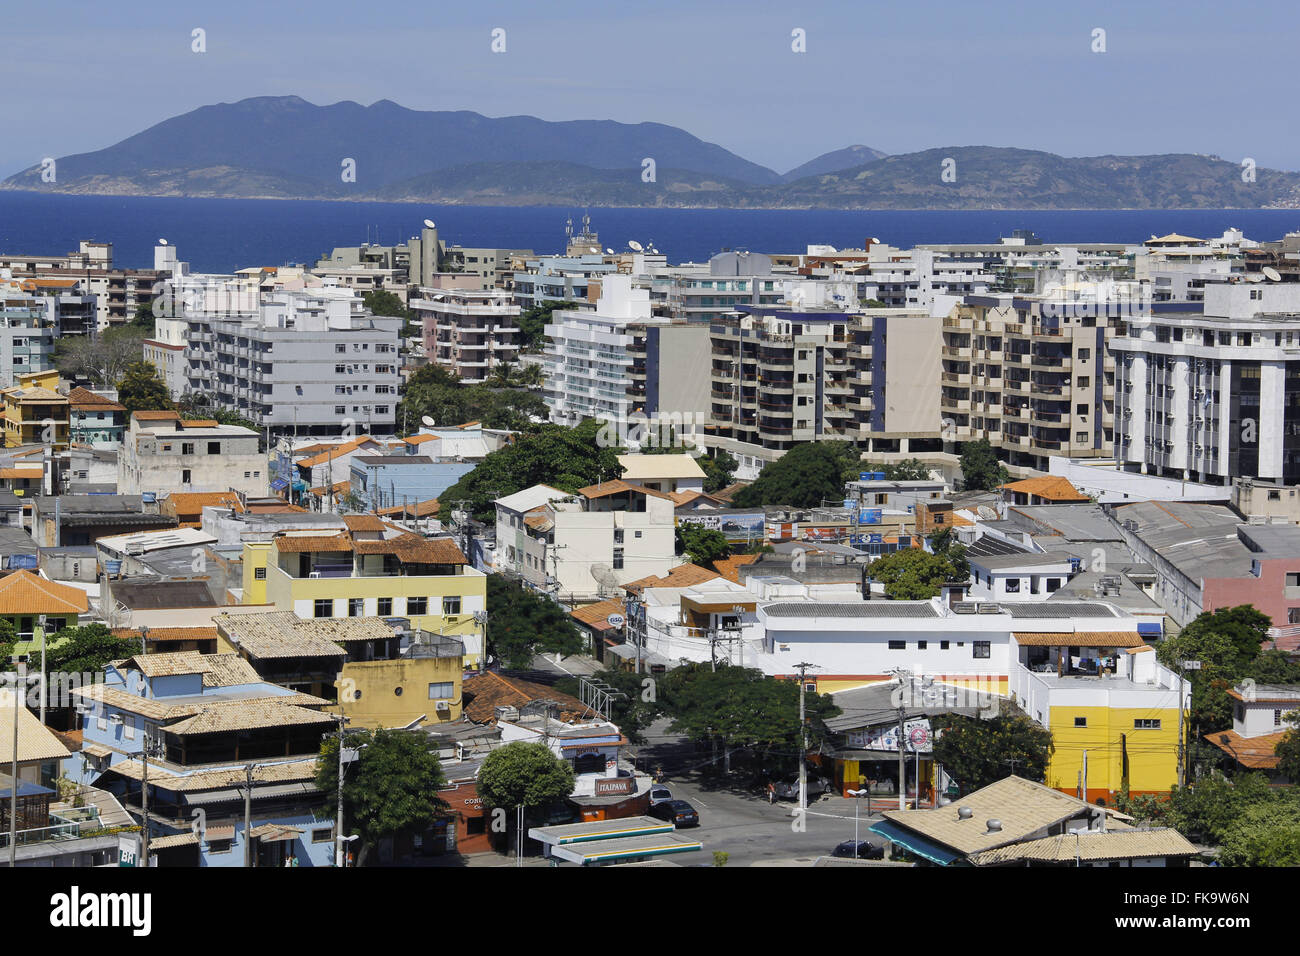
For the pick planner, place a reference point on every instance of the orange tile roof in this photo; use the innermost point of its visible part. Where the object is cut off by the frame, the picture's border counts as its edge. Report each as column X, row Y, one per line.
column 156, row 416
column 81, row 397
column 729, row 567
column 169, row 633
column 1049, row 487
column 420, row 439
column 419, row 509
column 619, row 486
column 21, row 472
column 596, row 616
column 193, row 502
column 1078, row 639
column 312, row 543
column 334, row 452
column 199, row 423
column 339, row 487
column 1254, row 753
column 363, row 523
column 411, row 548
column 484, row 693
column 25, row 593
column 682, row 576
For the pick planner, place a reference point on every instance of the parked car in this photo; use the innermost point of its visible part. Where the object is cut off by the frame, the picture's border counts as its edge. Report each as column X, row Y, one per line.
column 860, row 849
column 788, row 788
column 660, row 795
column 677, row 812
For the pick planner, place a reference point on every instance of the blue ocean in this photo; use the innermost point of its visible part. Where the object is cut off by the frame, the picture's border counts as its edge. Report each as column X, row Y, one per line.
column 222, row 235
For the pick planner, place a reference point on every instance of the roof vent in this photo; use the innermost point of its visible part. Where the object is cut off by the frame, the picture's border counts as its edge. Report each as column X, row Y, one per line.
column 965, row 813
column 995, row 826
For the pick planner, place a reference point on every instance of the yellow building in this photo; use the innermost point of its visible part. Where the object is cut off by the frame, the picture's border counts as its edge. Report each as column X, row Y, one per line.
column 1113, row 729
column 34, row 413
column 370, row 569
column 378, row 673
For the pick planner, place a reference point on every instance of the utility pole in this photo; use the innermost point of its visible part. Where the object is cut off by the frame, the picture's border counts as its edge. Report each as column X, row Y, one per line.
column 1183, row 667
column 340, row 858
column 13, row 776
column 248, row 816
column 144, row 798
column 803, row 739
column 902, row 765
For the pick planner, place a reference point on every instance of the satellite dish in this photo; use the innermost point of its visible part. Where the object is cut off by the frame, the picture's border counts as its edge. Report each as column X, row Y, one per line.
column 634, row 245
column 427, row 420
column 162, row 242
column 654, row 252
column 1271, row 274
column 429, row 223
column 609, row 251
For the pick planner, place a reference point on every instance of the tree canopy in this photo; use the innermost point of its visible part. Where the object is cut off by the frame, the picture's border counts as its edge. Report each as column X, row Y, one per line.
column 533, row 322
column 564, row 458
column 440, row 394
column 980, row 468
column 391, row 788
column 701, row 545
column 911, row 574
column 634, row 705
column 806, row 476
column 909, row 469
column 977, row 752
column 524, row 774
column 102, row 360
column 1227, row 643
column 741, row 708
column 83, row 649
column 142, row 388
column 1288, row 748
column 718, row 467
column 522, row 623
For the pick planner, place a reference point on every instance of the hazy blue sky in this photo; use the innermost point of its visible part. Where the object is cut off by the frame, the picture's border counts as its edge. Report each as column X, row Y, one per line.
column 1181, row 76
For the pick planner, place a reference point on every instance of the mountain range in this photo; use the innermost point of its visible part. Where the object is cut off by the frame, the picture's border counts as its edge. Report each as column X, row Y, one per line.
column 287, row 148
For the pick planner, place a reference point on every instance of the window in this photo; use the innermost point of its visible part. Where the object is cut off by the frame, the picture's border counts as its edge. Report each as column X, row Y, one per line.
column 417, row 605
column 324, row 607
column 1084, row 355
column 187, row 447
column 1081, row 721
column 981, row 649
column 442, row 691
column 340, row 409
column 451, row 605
column 943, row 645
column 1277, row 718
column 259, row 574
column 323, row 835
column 356, row 607
column 618, row 559
column 1084, row 381
column 186, row 478
column 636, row 534
column 922, row 645
column 340, row 348
column 1081, row 438
column 385, row 607
column 618, row 535
column 214, row 448
column 340, row 369
column 1293, row 579
column 1053, row 584
column 1145, row 723
column 219, row 846
column 898, row 645
column 1012, row 586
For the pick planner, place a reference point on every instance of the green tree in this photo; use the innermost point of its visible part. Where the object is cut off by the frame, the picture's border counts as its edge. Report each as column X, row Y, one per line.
column 522, row 623
column 1273, row 666
column 702, row 545
column 718, row 467
column 980, row 468
column 391, row 789
column 383, row 302
column 523, row 774
column 806, row 476
column 1288, row 748
column 1227, row 643
column 564, row 458
column 439, row 394
column 977, row 752
column 946, row 545
column 143, row 320
column 909, row 469
column 85, row 649
column 142, row 388
column 911, row 574
column 741, row 708
column 8, row 638
column 1264, row 834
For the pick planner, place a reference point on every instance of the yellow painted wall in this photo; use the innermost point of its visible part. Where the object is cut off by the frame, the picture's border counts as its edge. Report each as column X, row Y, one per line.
column 368, row 691
column 256, row 555
column 1153, row 754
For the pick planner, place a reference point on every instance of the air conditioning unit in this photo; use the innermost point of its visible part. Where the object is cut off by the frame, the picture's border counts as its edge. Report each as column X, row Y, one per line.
column 443, row 706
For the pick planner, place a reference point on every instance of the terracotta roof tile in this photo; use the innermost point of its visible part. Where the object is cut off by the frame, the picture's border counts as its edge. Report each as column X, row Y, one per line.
column 682, row 576
column 483, row 693
column 1254, row 753
column 729, row 567
column 1048, row 487
column 606, row 488
column 596, row 616
column 25, row 593
column 417, row 509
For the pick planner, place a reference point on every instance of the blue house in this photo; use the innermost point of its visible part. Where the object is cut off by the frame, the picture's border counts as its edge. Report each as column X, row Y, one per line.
column 213, row 727
column 385, row 481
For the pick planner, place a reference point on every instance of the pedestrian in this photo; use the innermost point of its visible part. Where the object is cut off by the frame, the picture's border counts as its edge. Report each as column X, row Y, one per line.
column 771, row 793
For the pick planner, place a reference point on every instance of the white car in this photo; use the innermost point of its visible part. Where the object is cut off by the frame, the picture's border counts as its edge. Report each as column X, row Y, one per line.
column 660, row 795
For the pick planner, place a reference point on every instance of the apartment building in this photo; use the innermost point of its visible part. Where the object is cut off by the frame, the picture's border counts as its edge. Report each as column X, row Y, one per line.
column 27, row 332
column 311, row 361
column 619, row 360
column 1034, row 374
column 1211, row 392
column 163, row 454
column 117, row 293
column 467, row 331
column 34, row 413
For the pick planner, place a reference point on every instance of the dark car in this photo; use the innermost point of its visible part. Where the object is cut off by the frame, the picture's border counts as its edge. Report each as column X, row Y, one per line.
column 860, row 849
column 678, row 812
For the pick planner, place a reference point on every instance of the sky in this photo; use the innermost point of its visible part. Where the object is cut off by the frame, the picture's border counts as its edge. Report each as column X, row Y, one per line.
column 1185, row 76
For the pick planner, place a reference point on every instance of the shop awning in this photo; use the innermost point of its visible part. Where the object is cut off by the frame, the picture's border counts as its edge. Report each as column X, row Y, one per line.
column 914, row 842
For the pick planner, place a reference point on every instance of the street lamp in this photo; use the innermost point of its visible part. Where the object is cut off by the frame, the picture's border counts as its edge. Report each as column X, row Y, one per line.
column 856, row 794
